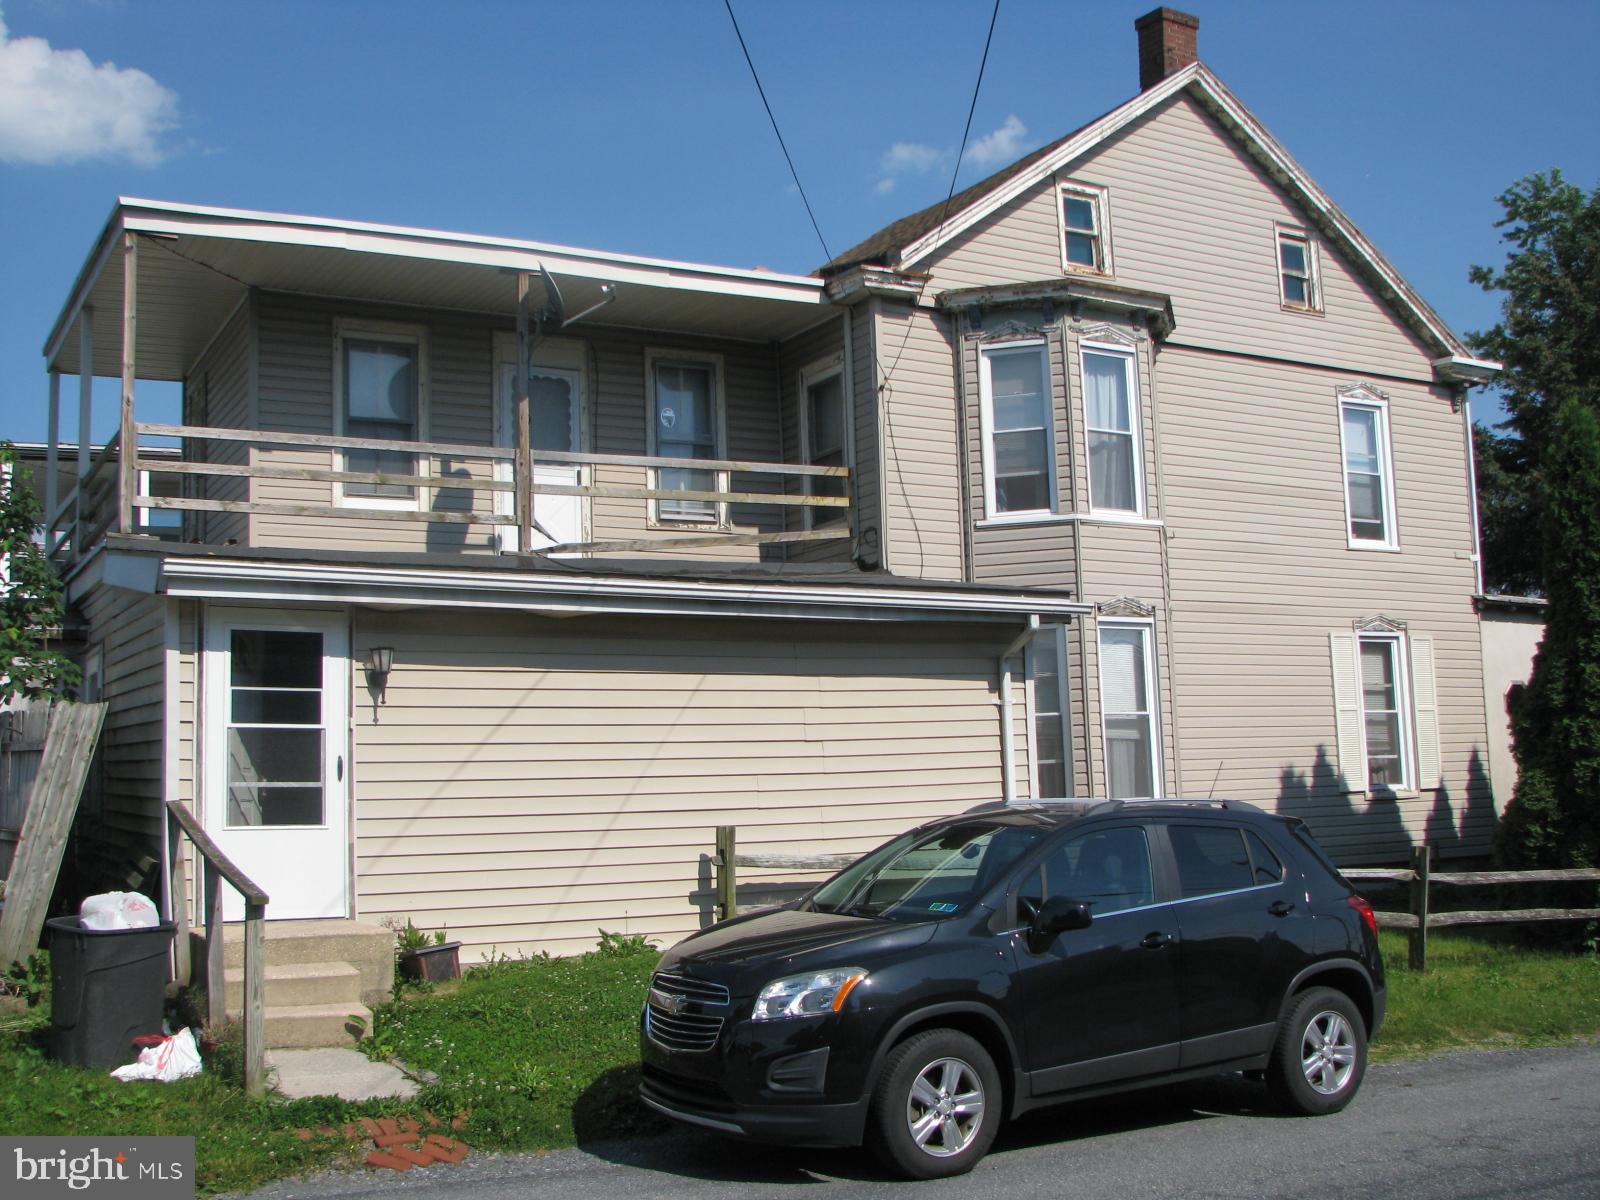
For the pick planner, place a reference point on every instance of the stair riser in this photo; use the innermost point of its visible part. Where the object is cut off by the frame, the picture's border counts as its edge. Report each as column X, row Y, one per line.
column 293, row 1031
column 368, row 948
column 338, row 989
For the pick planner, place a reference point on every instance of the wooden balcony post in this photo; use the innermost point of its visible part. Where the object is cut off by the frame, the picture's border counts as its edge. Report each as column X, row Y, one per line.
column 127, row 442
column 52, row 461
column 522, row 469
column 85, row 422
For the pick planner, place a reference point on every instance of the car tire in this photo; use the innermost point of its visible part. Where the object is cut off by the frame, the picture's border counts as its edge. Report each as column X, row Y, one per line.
column 1320, row 1055
column 936, row 1107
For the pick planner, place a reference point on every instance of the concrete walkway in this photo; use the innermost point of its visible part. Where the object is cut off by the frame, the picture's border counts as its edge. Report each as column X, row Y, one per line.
column 341, row 1072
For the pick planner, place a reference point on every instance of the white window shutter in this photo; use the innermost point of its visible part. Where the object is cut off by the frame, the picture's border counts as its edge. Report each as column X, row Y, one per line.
column 1425, row 703
column 1347, row 710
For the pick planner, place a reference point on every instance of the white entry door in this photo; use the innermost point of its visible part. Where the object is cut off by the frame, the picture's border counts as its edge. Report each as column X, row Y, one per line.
column 276, row 731
column 555, row 413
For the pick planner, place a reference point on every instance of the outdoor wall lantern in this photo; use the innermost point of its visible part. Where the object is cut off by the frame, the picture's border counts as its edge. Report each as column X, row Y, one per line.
column 380, row 661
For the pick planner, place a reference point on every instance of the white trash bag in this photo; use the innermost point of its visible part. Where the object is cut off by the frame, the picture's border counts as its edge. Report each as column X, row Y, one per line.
column 118, row 910
column 175, row 1057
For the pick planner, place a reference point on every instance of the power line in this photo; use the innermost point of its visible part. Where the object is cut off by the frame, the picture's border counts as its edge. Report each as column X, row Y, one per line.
column 826, row 253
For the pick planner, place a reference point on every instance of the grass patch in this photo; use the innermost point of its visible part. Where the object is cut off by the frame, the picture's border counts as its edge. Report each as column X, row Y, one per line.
column 543, row 1052
column 1482, row 989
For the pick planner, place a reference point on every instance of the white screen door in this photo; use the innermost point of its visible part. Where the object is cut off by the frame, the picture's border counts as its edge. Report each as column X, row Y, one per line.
column 554, row 410
column 275, row 769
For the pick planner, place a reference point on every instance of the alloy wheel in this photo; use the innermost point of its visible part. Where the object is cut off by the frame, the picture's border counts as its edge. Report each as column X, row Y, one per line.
column 944, row 1110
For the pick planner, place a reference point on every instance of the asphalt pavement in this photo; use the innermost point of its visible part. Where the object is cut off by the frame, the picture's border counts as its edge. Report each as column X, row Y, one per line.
column 1470, row 1126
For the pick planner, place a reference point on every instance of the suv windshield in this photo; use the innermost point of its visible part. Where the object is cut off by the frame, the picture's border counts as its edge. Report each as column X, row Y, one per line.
column 928, row 874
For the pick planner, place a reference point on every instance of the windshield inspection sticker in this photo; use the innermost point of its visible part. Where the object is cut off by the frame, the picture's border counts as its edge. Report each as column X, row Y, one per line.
column 944, row 907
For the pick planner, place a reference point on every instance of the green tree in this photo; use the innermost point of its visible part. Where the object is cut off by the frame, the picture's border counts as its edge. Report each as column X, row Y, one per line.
column 1548, row 337
column 31, row 606
column 1553, row 819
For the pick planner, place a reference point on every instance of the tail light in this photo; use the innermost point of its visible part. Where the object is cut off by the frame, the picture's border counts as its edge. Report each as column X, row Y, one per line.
column 1365, row 909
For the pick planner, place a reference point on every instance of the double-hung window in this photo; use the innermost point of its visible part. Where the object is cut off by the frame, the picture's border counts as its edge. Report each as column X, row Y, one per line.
column 1128, row 710
column 1085, row 245
column 1368, row 473
column 380, row 381
column 1019, row 440
column 1297, row 271
column 822, row 423
column 686, row 423
column 1386, row 732
column 1111, row 411
column 1047, row 697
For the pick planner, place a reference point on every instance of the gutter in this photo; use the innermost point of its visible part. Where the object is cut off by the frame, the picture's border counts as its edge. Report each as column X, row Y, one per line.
column 1008, row 754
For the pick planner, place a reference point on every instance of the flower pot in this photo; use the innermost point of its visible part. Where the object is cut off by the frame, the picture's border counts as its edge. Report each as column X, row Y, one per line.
column 433, row 963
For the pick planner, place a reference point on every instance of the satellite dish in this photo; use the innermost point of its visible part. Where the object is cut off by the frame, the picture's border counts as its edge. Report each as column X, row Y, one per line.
column 554, row 312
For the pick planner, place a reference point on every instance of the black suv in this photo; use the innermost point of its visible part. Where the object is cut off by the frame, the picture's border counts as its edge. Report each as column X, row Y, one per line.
column 1015, row 956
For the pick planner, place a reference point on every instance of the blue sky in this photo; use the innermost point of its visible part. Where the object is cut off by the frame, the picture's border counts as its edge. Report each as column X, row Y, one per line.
column 634, row 126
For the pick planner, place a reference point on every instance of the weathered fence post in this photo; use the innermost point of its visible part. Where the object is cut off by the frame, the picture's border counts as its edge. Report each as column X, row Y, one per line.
column 1421, row 862
column 727, row 874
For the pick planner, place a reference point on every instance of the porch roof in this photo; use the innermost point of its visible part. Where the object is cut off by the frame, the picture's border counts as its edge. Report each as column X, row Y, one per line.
column 197, row 263
column 556, row 587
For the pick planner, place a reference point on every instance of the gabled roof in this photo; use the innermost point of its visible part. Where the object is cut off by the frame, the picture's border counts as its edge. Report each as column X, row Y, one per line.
column 912, row 239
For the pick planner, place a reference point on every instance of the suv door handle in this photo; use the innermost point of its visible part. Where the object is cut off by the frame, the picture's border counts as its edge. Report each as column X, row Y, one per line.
column 1155, row 941
column 1280, row 908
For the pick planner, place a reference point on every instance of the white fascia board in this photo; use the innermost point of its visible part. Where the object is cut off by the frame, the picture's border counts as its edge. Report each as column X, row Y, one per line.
column 1087, row 139
column 206, row 578
column 1457, row 368
column 82, row 285
column 160, row 217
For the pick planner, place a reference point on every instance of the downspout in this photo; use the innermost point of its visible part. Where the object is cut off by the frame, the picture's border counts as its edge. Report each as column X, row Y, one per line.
column 1472, row 490
column 1008, row 764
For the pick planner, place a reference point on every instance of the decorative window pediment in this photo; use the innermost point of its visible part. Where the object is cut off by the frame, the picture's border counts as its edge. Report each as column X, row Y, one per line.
column 1009, row 330
column 1107, row 334
column 1379, row 623
column 1361, row 391
column 1125, row 606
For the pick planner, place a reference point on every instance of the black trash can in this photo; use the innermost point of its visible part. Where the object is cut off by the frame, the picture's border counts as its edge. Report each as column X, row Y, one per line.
column 107, row 986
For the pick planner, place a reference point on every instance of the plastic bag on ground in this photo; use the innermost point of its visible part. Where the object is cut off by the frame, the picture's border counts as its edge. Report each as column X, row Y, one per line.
column 118, row 910
column 175, row 1057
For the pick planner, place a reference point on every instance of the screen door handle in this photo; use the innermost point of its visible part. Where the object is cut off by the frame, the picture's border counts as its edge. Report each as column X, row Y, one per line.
column 338, row 769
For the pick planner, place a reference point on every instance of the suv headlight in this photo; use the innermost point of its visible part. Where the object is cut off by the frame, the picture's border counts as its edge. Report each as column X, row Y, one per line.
column 810, row 995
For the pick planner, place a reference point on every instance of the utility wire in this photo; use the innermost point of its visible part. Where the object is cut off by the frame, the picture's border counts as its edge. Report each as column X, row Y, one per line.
column 826, row 253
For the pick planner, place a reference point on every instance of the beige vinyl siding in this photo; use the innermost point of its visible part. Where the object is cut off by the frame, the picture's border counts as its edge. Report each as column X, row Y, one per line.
column 217, row 395
column 1261, row 573
column 922, row 490
column 1192, row 215
column 297, row 362
column 825, row 342
column 529, row 781
column 131, row 632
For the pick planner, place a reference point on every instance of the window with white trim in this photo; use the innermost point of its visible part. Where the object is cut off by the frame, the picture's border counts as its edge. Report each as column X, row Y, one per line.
column 1128, row 710
column 379, row 378
column 1050, row 739
column 1019, row 439
column 1111, row 417
column 823, row 436
column 1297, row 270
column 1385, row 722
column 686, row 422
column 1085, row 244
column 1368, row 472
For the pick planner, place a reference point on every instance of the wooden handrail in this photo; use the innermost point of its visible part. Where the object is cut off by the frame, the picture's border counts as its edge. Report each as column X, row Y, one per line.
column 324, row 441
column 242, row 883
column 737, row 466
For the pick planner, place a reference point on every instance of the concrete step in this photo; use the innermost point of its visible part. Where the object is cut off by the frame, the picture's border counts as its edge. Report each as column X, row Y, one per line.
column 367, row 947
column 298, row 983
column 296, row 1026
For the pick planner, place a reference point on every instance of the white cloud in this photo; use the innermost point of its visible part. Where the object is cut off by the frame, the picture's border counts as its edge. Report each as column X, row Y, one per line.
column 910, row 158
column 56, row 106
column 1001, row 146
column 884, row 186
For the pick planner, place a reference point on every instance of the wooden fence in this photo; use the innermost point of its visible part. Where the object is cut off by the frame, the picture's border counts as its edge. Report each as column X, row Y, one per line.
column 726, row 860
column 22, row 734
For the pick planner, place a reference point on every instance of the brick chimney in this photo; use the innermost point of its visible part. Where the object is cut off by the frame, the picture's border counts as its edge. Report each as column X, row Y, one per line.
column 1166, row 44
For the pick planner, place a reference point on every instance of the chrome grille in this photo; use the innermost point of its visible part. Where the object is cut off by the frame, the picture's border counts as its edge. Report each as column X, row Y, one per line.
column 681, row 1031
column 691, row 989
column 675, row 1016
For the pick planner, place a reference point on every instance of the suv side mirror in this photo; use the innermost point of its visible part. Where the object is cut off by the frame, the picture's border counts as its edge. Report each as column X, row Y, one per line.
column 1058, row 914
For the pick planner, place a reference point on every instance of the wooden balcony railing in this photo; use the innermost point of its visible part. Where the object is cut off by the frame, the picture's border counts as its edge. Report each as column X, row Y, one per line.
column 484, row 479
